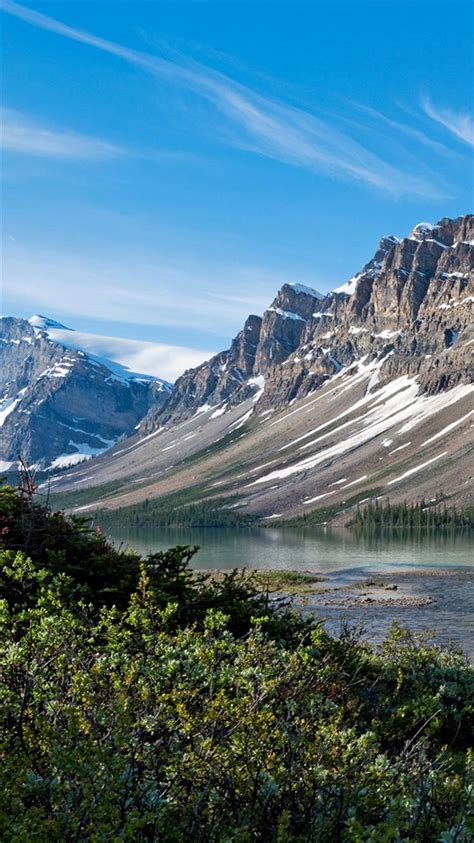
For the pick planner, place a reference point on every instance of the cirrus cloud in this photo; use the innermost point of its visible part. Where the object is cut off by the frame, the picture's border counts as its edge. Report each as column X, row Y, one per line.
column 459, row 123
column 21, row 134
column 260, row 124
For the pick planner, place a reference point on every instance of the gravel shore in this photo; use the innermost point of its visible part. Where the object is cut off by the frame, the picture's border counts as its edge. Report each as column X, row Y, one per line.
column 438, row 602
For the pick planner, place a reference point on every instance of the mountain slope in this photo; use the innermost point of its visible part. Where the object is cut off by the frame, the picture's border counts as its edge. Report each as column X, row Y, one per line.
column 346, row 442
column 323, row 400
column 412, row 296
column 60, row 406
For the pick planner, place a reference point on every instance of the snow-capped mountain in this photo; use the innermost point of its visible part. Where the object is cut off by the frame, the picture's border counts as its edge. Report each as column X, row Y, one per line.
column 61, row 403
column 412, row 299
column 333, row 399
column 136, row 359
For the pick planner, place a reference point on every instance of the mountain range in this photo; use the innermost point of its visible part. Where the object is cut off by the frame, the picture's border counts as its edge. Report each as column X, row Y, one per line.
column 323, row 402
column 61, row 403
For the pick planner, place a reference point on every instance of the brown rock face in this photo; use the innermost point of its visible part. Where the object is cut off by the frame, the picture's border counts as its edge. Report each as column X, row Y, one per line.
column 410, row 305
column 327, row 402
column 264, row 342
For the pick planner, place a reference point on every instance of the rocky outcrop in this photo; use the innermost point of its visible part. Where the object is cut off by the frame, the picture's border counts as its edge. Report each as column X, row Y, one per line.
column 324, row 403
column 58, row 406
column 399, row 332
column 214, row 382
column 410, row 306
column 262, row 345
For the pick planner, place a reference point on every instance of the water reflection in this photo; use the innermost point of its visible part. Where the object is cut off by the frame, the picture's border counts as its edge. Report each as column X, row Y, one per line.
column 324, row 549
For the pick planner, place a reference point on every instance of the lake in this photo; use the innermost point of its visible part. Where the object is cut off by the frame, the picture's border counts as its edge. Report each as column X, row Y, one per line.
column 317, row 548
column 433, row 573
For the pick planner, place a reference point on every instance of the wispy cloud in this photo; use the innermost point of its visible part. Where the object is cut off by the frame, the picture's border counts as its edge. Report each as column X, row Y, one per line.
column 410, row 131
column 261, row 124
column 458, row 123
column 35, row 279
column 21, row 134
column 152, row 358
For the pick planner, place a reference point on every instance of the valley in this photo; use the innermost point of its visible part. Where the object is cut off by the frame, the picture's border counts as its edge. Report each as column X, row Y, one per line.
column 324, row 403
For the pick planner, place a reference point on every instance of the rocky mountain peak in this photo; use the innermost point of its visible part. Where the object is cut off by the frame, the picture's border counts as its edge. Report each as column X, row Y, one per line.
column 448, row 232
column 408, row 312
column 371, row 268
column 409, row 303
column 59, row 405
column 340, row 398
column 424, row 231
column 44, row 322
column 295, row 301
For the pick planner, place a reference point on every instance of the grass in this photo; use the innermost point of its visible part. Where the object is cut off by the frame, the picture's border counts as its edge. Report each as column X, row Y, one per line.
column 216, row 447
column 70, row 500
column 188, row 508
column 276, row 581
column 192, row 507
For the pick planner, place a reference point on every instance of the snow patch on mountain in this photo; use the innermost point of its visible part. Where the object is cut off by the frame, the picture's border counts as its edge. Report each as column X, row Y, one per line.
column 349, row 287
column 286, row 314
column 309, row 291
column 7, row 405
column 44, row 322
column 398, row 402
column 423, row 230
column 259, row 382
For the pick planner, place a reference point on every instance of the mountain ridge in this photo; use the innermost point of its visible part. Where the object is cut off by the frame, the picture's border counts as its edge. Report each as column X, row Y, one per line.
column 60, row 405
column 301, row 404
column 388, row 292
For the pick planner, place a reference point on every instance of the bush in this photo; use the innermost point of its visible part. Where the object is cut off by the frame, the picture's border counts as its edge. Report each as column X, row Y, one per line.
column 197, row 712
column 64, row 544
column 100, row 574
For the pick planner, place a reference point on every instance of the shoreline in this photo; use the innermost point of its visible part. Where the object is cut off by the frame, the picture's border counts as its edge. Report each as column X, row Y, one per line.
column 438, row 602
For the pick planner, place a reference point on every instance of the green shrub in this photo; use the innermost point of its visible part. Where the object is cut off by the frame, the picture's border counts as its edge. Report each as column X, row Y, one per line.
column 194, row 710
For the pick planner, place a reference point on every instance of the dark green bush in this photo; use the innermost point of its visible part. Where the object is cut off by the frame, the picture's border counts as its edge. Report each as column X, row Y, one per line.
column 194, row 711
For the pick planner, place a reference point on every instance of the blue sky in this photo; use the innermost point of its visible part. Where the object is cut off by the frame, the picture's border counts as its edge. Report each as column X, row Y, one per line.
column 167, row 166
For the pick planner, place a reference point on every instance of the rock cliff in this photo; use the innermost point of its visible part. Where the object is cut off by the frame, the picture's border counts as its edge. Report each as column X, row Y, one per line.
column 410, row 304
column 58, row 406
column 322, row 403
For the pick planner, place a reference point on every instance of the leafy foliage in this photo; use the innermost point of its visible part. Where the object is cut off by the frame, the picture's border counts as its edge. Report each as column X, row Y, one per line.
column 100, row 574
column 195, row 711
column 68, row 545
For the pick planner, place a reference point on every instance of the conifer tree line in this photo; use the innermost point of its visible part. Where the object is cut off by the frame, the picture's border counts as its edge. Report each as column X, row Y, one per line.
column 174, row 511
column 423, row 514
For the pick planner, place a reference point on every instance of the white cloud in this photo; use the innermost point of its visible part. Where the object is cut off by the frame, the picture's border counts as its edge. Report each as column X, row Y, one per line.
column 257, row 123
column 458, row 123
column 21, row 134
column 154, row 292
column 150, row 358
column 410, row 131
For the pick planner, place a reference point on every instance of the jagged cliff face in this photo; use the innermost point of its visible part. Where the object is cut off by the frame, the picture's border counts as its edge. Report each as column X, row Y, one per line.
column 324, row 401
column 410, row 304
column 58, row 406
